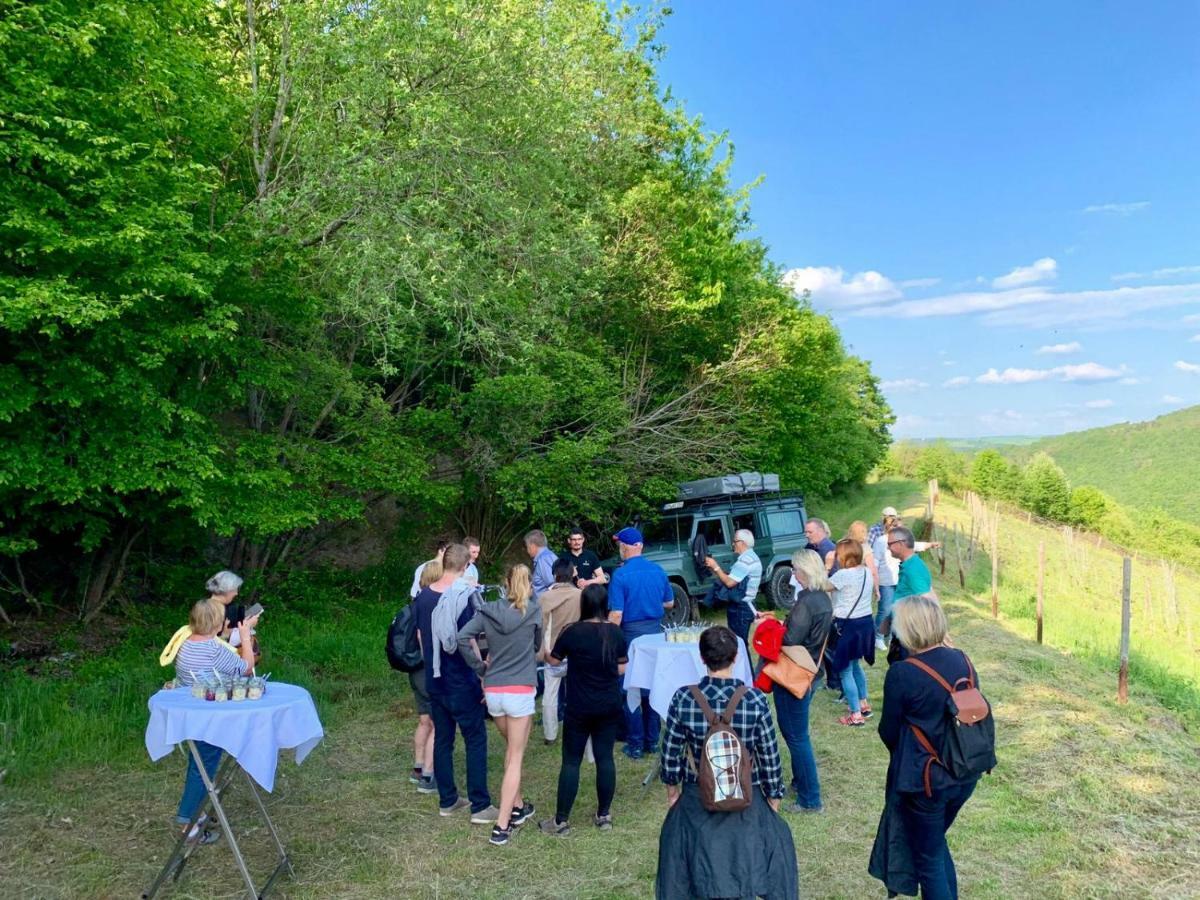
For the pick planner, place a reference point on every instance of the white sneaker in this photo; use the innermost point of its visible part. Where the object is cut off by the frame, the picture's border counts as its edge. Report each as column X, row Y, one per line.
column 880, row 644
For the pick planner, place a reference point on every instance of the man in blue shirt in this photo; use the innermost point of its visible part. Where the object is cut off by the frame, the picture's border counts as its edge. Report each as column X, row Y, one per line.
column 817, row 533
column 455, row 697
column 914, row 574
column 543, row 561
column 741, row 613
column 638, row 593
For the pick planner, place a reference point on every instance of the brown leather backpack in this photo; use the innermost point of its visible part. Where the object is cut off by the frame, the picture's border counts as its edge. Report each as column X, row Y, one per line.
column 723, row 768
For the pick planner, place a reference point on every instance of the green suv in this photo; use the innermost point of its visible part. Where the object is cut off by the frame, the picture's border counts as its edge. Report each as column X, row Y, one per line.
column 775, row 518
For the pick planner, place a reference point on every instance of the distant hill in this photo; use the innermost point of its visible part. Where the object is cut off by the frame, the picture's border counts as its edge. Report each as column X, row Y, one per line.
column 1142, row 465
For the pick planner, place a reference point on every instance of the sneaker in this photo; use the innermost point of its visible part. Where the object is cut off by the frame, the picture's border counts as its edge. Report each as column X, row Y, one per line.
column 456, row 807
column 604, row 823
column 415, row 776
column 864, row 709
column 426, row 785
column 201, row 834
column 881, row 644
column 632, row 752
column 520, row 815
column 809, row 810
column 485, row 816
column 500, row 835
column 554, row 827
column 854, row 719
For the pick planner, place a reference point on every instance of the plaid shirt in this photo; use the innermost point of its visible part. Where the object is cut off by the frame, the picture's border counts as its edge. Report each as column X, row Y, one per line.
column 873, row 532
column 752, row 721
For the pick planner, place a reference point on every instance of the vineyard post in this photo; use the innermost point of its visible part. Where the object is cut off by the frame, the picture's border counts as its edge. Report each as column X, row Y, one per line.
column 1041, row 584
column 1123, row 674
column 962, row 575
column 995, row 565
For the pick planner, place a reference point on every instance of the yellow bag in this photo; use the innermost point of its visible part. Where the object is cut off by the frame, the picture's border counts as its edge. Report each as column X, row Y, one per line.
column 172, row 649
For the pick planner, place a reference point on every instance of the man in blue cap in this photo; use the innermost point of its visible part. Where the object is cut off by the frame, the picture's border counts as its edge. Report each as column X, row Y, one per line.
column 638, row 594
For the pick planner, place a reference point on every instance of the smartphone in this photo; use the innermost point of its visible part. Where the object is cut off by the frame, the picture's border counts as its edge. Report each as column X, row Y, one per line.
column 255, row 610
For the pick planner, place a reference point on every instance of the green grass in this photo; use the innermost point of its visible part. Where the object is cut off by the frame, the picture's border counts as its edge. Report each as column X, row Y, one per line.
column 1089, row 800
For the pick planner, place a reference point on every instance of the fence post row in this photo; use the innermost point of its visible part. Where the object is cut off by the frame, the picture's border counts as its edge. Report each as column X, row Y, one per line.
column 1123, row 674
column 1041, row 586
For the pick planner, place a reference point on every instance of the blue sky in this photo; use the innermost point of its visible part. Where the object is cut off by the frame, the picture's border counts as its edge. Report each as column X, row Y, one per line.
column 998, row 203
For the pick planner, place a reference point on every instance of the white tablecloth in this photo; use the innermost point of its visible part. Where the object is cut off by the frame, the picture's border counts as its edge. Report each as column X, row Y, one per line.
column 664, row 668
column 252, row 731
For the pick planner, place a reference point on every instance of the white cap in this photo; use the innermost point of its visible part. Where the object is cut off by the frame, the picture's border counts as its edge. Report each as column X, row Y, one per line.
column 890, row 511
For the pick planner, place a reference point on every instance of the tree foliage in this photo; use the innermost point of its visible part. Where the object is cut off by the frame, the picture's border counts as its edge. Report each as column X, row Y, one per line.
column 1045, row 491
column 265, row 266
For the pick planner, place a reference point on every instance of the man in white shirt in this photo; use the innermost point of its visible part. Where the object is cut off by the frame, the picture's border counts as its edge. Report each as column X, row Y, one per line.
column 741, row 613
column 472, row 572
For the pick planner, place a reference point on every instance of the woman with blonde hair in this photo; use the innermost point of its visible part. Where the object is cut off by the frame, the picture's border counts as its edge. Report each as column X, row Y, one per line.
column 808, row 624
column 927, row 796
column 202, row 652
column 858, row 532
column 513, row 627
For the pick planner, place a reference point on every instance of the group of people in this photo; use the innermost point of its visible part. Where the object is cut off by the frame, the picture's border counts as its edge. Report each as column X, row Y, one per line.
column 564, row 614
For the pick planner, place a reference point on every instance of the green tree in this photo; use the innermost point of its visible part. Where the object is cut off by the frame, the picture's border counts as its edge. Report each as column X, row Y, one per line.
column 1046, row 492
column 1088, row 506
column 989, row 473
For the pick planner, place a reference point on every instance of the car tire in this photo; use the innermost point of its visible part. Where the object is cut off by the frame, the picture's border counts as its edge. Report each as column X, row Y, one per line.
column 681, row 612
column 779, row 588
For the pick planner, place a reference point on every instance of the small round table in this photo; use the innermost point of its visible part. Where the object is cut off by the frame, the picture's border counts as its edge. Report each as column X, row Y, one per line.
column 657, row 665
column 251, row 732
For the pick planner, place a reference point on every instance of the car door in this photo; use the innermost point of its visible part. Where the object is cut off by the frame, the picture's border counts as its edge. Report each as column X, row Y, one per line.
column 716, row 530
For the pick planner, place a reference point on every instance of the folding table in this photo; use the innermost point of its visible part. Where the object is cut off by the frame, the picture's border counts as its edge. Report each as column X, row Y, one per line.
column 251, row 732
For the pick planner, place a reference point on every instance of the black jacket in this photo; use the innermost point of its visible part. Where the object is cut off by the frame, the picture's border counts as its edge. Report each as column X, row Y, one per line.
column 912, row 696
column 808, row 622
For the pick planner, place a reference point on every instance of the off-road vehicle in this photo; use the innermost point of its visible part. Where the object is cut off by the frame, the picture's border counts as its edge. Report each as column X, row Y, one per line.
column 716, row 508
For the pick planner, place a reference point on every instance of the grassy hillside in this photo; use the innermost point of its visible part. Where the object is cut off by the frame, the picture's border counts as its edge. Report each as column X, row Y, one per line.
column 1089, row 799
column 1142, row 465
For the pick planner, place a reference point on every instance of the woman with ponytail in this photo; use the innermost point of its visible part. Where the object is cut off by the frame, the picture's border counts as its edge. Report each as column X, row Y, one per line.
column 513, row 628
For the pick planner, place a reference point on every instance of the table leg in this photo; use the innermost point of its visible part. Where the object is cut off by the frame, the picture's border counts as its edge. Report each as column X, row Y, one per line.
column 223, row 819
column 183, row 850
column 262, row 808
column 653, row 773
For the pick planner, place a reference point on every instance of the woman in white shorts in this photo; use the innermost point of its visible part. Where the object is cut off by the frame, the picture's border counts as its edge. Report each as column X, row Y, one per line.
column 513, row 628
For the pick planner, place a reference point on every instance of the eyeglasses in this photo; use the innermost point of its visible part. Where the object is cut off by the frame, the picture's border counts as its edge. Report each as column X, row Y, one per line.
column 889, row 543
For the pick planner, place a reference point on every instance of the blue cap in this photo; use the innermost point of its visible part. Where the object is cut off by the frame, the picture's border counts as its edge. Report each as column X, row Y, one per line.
column 629, row 536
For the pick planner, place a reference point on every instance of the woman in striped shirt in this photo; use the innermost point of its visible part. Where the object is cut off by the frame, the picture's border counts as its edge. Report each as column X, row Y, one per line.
column 200, row 654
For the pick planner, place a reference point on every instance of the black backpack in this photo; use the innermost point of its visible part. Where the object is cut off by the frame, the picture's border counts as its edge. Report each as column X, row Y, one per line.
column 969, row 747
column 403, row 648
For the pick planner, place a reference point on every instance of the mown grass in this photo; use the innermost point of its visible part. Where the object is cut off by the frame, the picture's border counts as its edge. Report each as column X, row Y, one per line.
column 1089, row 800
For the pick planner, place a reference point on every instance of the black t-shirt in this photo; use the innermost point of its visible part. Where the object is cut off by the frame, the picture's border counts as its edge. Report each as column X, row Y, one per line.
column 593, row 650
column 586, row 563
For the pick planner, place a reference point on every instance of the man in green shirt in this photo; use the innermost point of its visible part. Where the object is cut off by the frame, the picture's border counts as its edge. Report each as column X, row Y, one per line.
column 914, row 574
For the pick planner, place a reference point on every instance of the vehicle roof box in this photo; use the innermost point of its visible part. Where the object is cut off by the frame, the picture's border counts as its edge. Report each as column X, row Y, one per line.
column 729, row 485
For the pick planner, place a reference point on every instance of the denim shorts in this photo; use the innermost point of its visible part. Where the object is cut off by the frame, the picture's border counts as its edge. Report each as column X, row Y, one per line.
column 501, row 703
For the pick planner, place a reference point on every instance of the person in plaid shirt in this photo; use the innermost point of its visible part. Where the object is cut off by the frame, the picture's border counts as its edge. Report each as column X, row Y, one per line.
column 749, row 853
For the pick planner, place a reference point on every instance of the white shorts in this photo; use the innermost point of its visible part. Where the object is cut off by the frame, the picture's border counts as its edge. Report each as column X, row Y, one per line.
column 500, row 703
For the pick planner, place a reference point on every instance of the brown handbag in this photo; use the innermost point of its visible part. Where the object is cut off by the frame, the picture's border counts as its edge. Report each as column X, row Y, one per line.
column 795, row 669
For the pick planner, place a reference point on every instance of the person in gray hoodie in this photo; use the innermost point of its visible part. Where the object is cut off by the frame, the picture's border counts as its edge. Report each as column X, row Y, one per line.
column 513, row 627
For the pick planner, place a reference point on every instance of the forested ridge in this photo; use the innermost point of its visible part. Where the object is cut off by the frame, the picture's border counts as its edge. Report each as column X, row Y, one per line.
column 264, row 267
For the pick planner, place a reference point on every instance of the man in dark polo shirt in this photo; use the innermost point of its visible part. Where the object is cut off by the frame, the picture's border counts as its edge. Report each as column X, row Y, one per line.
column 586, row 563
column 638, row 593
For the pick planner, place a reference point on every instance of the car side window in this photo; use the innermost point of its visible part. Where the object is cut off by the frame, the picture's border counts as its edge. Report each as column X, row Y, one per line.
column 746, row 521
column 713, row 531
column 785, row 522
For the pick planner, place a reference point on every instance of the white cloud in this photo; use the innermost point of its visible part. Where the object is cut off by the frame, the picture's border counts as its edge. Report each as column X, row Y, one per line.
column 950, row 362
column 1089, row 371
column 1160, row 274
column 903, row 384
column 1194, row 339
column 920, row 282
column 958, row 381
column 1098, row 404
column 1190, row 368
column 1119, row 209
column 1072, row 347
column 1043, row 269
column 1194, row 317
column 830, row 288
column 1171, row 398
column 1133, row 379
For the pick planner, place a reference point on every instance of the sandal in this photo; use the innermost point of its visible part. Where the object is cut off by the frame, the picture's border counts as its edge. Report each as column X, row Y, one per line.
column 864, row 709
column 854, row 719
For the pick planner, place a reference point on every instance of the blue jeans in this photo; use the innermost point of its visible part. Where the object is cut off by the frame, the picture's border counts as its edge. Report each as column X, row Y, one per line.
column 466, row 711
column 194, row 790
column 887, row 599
column 927, row 819
column 641, row 724
column 739, row 617
column 793, row 725
column 854, row 685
